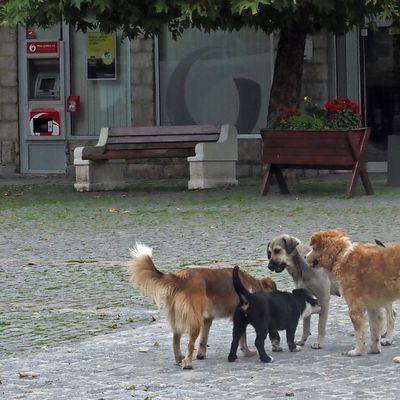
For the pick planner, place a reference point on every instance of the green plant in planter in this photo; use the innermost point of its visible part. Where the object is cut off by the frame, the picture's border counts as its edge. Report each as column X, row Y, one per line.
column 338, row 113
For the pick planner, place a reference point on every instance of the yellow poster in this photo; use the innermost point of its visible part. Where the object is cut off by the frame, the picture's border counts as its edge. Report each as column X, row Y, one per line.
column 102, row 55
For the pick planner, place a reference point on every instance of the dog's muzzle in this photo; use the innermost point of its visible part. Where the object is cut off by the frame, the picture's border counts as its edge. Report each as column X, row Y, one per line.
column 276, row 267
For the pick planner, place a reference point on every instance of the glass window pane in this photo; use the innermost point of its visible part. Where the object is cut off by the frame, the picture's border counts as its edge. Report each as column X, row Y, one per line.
column 104, row 102
column 218, row 77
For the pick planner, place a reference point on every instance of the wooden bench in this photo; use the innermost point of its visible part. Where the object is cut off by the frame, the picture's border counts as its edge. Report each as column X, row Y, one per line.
column 340, row 149
column 210, row 149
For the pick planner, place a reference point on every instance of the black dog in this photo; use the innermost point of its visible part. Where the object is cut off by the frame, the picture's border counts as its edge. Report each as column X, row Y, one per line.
column 269, row 313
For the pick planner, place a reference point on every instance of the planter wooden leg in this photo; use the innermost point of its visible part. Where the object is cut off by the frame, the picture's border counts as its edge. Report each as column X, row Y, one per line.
column 359, row 152
column 266, row 181
column 281, row 180
column 366, row 182
column 351, row 187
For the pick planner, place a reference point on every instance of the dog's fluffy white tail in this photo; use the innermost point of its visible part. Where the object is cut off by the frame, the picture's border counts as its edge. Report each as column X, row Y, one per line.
column 144, row 274
column 140, row 250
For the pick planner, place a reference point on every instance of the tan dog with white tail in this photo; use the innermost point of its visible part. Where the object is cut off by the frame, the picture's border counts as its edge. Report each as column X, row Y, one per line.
column 193, row 297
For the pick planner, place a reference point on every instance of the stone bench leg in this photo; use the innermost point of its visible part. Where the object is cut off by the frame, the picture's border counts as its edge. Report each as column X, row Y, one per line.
column 99, row 175
column 214, row 164
column 211, row 174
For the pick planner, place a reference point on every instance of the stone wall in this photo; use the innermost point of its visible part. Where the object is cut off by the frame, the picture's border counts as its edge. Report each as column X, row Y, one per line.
column 143, row 82
column 9, row 138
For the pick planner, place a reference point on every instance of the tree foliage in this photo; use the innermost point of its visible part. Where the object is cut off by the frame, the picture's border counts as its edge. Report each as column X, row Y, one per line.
column 294, row 19
column 147, row 16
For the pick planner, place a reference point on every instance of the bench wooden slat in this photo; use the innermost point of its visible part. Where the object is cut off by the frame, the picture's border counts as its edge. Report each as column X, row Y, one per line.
column 164, row 130
column 139, row 146
column 157, row 139
column 143, row 153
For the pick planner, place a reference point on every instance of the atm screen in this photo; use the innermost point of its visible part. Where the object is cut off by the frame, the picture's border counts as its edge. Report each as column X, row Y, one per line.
column 47, row 84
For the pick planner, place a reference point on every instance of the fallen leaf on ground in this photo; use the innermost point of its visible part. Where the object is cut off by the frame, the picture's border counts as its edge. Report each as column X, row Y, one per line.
column 28, row 375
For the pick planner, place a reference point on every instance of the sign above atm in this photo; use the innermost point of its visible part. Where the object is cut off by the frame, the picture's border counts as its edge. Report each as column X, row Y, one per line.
column 42, row 47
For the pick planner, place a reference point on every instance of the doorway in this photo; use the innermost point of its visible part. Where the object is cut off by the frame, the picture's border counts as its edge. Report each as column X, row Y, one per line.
column 380, row 85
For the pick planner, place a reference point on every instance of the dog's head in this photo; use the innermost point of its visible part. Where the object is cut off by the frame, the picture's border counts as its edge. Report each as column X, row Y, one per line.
column 327, row 247
column 279, row 252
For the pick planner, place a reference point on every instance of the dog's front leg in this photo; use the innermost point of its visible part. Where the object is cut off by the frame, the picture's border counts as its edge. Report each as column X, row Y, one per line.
column 244, row 347
column 375, row 324
column 322, row 320
column 290, row 332
column 306, row 331
column 358, row 319
column 205, row 330
column 275, row 341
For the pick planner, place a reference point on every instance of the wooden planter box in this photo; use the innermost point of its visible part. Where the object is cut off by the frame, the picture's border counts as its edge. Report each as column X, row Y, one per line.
column 333, row 149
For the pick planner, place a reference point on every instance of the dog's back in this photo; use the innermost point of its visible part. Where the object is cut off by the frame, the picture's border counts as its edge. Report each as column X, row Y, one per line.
column 192, row 292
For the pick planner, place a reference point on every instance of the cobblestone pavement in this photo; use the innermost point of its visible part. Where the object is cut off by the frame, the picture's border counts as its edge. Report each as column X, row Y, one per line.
column 72, row 327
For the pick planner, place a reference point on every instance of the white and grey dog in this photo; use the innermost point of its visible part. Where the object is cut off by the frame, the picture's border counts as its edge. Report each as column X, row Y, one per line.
column 288, row 252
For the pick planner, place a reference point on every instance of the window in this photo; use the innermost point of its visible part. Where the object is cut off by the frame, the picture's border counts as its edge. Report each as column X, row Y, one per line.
column 218, row 77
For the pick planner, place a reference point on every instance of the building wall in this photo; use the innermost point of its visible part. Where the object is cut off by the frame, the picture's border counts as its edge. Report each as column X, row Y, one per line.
column 9, row 144
column 143, row 84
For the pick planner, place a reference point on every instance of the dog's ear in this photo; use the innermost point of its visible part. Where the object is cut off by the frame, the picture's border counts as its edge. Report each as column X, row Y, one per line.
column 268, row 285
column 269, row 250
column 291, row 243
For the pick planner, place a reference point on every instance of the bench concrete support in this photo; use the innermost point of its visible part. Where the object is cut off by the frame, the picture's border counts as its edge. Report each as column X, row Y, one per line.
column 214, row 164
column 98, row 175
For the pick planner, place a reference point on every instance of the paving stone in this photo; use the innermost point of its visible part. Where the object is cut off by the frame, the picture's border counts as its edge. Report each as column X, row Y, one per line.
column 73, row 326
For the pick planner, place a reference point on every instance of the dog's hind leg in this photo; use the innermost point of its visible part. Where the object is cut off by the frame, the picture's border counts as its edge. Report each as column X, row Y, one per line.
column 239, row 328
column 205, row 330
column 193, row 335
column 261, row 334
column 176, row 344
column 387, row 337
column 375, row 324
column 358, row 319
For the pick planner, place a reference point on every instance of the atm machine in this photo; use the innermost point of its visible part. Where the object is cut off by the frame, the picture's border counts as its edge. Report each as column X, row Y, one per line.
column 42, row 102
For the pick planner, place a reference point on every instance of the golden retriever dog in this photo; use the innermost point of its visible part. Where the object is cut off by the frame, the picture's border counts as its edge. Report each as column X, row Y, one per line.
column 193, row 297
column 368, row 279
